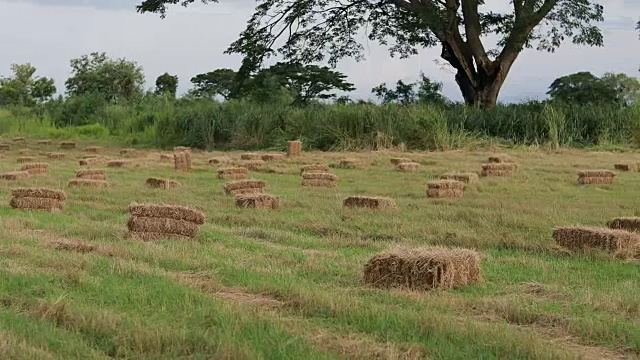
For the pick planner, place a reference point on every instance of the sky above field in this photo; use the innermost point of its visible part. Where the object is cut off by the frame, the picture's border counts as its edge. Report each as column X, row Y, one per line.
column 48, row 33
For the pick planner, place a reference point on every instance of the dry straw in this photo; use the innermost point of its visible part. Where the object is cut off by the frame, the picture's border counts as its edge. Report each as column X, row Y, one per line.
column 627, row 167
column 37, row 199
column 182, row 161
column 117, row 163
column 369, row 202
column 15, row 175
column 91, row 174
column 92, row 149
column 579, row 238
column 44, row 142
column 625, row 223
column 166, row 157
column 162, row 225
column 348, row 164
column 595, row 180
column 294, row 148
column 398, row 161
column 220, row 160
column 233, row 173
column 55, row 155
column 318, row 179
column 25, row 159
column 596, row 173
column 445, row 185
column 314, row 168
column 423, row 268
column 36, row 168
column 408, row 166
column 467, row 178
column 67, row 145
column 258, row 201
column 250, row 186
column 159, row 183
column 24, row 151
column 5, row 147
column 499, row 169
column 272, row 157
column 594, row 177
column 445, row 193
column 498, row 159
column 253, row 165
column 39, row 193
column 88, row 161
column 167, row 211
column 250, row 156
column 19, row 139
column 88, row 183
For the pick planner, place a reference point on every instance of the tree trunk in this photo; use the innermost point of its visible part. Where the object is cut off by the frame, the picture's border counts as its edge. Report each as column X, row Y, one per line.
column 484, row 93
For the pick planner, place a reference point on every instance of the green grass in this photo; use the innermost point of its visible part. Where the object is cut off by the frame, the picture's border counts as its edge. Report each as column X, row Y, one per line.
column 287, row 284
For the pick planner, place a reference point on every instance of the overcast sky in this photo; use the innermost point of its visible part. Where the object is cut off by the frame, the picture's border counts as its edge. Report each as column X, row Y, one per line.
column 48, row 33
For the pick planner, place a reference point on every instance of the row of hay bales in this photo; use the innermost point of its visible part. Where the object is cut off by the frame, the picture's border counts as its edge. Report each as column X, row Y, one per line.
column 620, row 237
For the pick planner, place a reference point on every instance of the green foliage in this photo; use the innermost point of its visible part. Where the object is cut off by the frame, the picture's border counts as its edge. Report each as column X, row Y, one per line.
column 220, row 82
column 115, row 80
column 425, row 91
column 23, row 89
column 167, row 85
column 586, row 88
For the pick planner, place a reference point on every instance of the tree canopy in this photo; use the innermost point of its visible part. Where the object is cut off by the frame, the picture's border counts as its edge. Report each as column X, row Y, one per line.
column 423, row 91
column 586, row 88
column 23, row 89
column 309, row 31
column 167, row 84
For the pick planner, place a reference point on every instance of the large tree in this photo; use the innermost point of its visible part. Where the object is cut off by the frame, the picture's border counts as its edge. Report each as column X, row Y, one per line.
column 316, row 30
column 167, row 84
column 25, row 89
column 586, row 88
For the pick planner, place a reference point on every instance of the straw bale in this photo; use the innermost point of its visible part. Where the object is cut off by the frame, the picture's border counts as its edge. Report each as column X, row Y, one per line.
column 398, row 161
column 79, row 182
column 319, row 183
column 24, row 151
column 234, row 173
column 250, row 156
column 501, row 166
column 253, row 165
column 30, row 203
column 487, row 173
column 314, row 168
column 625, row 223
column 163, row 225
column 244, row 186
column 167, row 211
column 408, row 166
column 294, row 148
column 319, row 176
column 88, row 161
column 25, row 159
column 597, row 173
column 497, row 159
column 595, row 180
column 5, row 147
column 348, row 164
column 182, row 161
column 19, row 139
column 578, row 238
column 627, row 167
column 628, row 253
column 445, row 193
column 67, row 145
column 258, row 201
column 467, row 178
column 36, row 168
column 95, row 174
column 118, row 163
column 39, row 193
column 162, row 183
column 92, row 149
column 152, row 236
column 423, row 268
column 445, row 185
column 220, row 160
column 43, row 142
column 166, row 157
column 369, row 202
column 272, row 157
column 55, row 155
column 181, row 148
column 15, row 175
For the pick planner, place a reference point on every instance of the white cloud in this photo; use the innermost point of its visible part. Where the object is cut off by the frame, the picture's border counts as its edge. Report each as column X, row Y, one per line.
column 48, row 33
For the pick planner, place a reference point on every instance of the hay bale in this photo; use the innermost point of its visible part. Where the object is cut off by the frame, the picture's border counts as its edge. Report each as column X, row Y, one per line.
column 423, row 268
column 595, row 180
column 163, row 225
column 398, row 161
column 445, row 185
column 318, row 179
column 167, row 211
column 272, row 157
column 88, row 183
column 249, row 186
column 294, row 148
column 220, row 160
column 18, row 139
column 91, row 174
column 55, row 155
column 250, row 156
column 369, row 202
column 182, row 161
column 36, row 204
column 92, row 149
column 25, row 159
column 499, row 169
column 253, row 165
column 162, row 183
column 44, row 142
column 348, row 164
column 258, row 201
column 88, row 161
column 5, row 147
column 233, row 173
column 580, row 238
column 627, row 167
column 166, row 157
column 445, row 193
column 15, row 175
column 314, row 168
column 408, row 166
column 467, row 178
column 24, row 151
column 499, row 159
column 35, row 168
column 39, row 193
column 631, row 224
column 118, row 163
column 67, row 145
column 597, row 173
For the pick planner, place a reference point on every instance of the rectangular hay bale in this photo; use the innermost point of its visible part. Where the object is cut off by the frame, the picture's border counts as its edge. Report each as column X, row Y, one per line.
column 294, row 148
column 445, row 193
column 631, row 224
column 67, row 145
column 39, row 193
column 627, row 167
column 36, row 168
column 408, row 166
column 234, row 173
column 92, row 149
column 94, row 174
column 597, row 173
column 25, row 159
column 445, row 185
column 159, row 183
column 595, row 180
column 163, row 225
column 314, row 168
column 253, row 165
column 423, row 268
column 88, row 161
column 32, row 203
column 250, row 156
column 182, row 161
column 249, row 186
column 580, row 238
column 499, row 159
column 15, row 175
column 56, row 155
column 175, row 212
column 258, row 201
column 467, row 178
column 369, row 202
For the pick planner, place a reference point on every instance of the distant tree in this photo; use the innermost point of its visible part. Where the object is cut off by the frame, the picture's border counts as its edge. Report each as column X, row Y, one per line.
column 425, row 91
column 220, row 82
column 167, row 84
column 115, row 80
column 23, row 89
column 343, row 100
column 586, row 88
column 627, row 88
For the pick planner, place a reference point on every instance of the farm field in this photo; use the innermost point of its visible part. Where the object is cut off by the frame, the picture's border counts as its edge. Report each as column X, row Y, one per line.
column 287, row 283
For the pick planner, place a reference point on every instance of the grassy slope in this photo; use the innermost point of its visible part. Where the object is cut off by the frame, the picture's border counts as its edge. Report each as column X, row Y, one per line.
column 286, row 284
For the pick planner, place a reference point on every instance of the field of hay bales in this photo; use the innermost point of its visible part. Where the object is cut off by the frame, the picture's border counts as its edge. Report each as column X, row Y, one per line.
column 287, row 281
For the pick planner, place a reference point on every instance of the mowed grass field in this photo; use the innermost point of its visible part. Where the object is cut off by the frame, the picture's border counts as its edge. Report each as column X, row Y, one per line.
column 287, row 284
